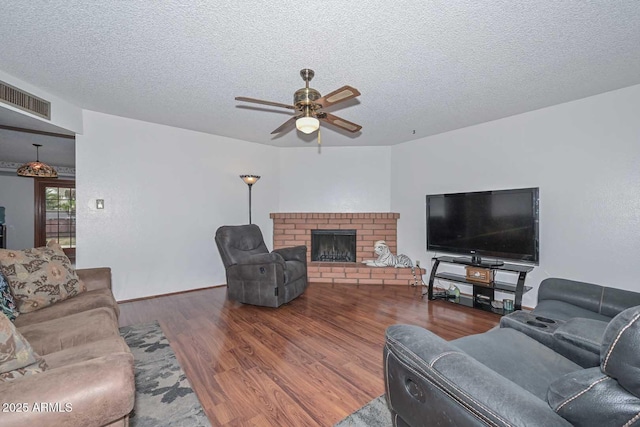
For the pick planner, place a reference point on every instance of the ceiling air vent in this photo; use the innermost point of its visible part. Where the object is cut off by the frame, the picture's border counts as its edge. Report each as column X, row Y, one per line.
column 25, row 101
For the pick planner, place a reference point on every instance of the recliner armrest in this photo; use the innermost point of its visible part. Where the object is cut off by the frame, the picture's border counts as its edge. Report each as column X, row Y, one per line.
column 428, row 379
column 592, row 398
column 265, row 258
column 583, row 333
column 91, row 393
column 294, row 253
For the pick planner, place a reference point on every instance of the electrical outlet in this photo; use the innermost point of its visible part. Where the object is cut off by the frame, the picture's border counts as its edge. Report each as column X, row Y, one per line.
column 417, row 263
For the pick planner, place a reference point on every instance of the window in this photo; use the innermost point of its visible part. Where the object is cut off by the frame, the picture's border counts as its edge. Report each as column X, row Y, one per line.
column 55, row 208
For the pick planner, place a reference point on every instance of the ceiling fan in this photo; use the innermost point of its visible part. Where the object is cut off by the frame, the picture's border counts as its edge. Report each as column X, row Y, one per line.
column 308, row 104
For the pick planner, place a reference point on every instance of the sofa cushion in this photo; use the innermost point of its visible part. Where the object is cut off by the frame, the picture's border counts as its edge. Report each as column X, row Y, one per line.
column 619, row 355
column 71, row 331
column 590, row 398
column 98, row 392
column 39, row 276
column 239, row 242
column 17, row 358
column 88, row 351
column 502, row 351
column 7, row 303
column 83, row 302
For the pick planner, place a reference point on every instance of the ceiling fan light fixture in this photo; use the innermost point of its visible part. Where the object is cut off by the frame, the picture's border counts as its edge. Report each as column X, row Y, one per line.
column 37, row 169
column 307, row 124
column 309, row 104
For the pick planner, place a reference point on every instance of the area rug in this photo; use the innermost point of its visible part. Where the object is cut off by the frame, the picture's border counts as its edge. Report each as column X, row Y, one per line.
column 373, row 414
column 164, row 396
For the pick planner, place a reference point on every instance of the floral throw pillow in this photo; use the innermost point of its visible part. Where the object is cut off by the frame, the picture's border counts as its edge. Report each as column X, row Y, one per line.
column 17, row 358
column 39, row 277
column 7, row 304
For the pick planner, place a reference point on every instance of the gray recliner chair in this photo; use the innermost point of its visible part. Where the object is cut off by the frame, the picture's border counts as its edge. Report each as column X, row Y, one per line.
column 256, row 276
column 506, row 378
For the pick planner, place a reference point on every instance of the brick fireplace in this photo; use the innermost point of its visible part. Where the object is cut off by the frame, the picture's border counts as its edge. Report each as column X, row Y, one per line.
column 292, row 229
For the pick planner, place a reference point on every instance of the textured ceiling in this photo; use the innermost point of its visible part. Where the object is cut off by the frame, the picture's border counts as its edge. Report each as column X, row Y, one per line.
column 423, row 67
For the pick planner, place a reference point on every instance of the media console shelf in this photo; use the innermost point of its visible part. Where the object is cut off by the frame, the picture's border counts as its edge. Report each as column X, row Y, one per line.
column 483, row 293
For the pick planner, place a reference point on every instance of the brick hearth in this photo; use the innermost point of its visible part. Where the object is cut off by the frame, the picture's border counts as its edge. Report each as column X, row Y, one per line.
column 291, row 229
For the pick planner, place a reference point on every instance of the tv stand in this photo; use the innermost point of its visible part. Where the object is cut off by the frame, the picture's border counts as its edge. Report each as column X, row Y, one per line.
column 476, row 260
column 483, row 293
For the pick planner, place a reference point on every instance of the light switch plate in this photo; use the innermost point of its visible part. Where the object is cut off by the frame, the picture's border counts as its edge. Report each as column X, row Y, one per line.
column 99, row 203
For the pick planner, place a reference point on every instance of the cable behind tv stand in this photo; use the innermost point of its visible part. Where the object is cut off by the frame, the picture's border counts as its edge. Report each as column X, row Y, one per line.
column 483, row 293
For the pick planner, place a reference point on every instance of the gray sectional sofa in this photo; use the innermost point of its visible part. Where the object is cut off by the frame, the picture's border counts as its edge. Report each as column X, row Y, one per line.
column 573, row 360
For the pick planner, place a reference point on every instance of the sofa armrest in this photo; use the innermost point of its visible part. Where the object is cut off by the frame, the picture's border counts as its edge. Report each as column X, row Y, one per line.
column 91, row 393
column 294, row 253
column 428, row 379
column 95, row 278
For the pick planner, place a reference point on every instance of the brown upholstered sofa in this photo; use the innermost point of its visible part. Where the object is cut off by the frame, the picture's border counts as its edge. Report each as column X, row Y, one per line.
column 89, row 380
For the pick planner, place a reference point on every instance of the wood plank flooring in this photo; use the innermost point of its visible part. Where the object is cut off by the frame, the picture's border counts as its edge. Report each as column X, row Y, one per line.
column 308, row 363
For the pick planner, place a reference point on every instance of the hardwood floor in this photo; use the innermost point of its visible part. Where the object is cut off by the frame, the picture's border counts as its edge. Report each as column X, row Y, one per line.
column 308, row 363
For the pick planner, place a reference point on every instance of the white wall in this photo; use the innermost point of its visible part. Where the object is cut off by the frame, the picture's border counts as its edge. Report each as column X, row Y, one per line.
column 166, row 191
column 344, row 179
column 584, row 156
column 16, row 195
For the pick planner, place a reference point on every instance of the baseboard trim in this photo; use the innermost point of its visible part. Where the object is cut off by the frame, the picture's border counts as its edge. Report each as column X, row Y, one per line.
column 170, row 294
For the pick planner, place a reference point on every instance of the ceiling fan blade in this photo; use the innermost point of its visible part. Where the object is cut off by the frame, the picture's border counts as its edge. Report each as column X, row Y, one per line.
column 337, row 121
column 286, row 125
column 260, row 101
column 343, row 94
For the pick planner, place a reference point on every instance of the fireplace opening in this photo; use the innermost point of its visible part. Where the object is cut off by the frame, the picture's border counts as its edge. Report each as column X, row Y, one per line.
column 333, row 245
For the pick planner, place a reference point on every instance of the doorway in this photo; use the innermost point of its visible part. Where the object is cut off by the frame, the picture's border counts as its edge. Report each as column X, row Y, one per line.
column 55, row 214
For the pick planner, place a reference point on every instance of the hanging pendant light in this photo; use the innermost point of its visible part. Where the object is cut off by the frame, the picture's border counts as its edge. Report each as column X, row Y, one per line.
column 37, row 169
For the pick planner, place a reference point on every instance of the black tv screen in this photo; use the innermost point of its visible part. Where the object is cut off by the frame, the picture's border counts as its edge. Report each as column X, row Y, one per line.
column 502, row 224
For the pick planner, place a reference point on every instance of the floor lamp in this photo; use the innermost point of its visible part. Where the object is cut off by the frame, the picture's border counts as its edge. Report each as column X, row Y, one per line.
column 250, row 180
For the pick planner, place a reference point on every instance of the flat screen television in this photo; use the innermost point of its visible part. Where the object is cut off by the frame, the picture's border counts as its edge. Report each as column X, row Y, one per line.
column 501, row 224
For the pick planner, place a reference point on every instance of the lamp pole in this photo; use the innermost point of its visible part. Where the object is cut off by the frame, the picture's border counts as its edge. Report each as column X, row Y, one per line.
column 250, row 180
